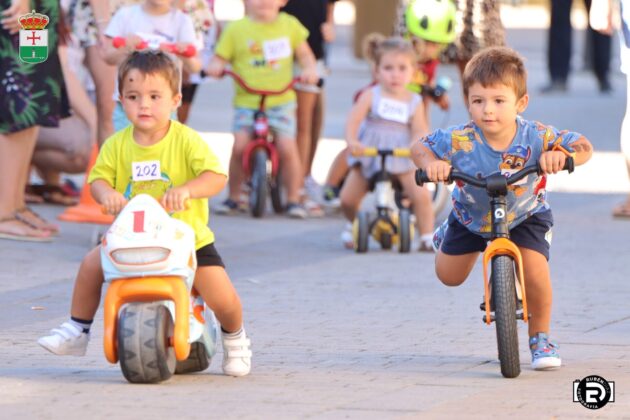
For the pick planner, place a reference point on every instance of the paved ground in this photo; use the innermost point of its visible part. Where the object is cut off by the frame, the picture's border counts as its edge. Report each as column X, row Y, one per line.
column 337, row 335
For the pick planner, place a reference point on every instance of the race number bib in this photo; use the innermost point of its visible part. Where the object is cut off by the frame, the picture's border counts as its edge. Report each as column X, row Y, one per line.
column 149, row 170
column 277, row 49
column 393, row 110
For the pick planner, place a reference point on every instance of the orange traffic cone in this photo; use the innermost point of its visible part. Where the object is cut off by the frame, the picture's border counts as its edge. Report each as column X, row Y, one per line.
column 88, row 210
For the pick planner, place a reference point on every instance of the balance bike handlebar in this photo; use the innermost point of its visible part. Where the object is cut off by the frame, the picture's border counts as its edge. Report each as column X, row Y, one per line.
column 455, row 175
column 190, row 51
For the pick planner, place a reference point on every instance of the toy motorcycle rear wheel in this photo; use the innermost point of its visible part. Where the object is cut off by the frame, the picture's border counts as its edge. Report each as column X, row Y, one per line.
column 198, row 360
column 143, row 334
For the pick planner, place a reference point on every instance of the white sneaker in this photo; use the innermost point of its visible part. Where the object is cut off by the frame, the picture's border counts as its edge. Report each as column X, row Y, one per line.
column 296, row 211
column 237, row 356
column 67, row 340
column 347, row 238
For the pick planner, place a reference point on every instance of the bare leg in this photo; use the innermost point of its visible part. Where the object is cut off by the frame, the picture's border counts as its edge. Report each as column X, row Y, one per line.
column 453, row 270
column 16, row 150
column 216, row 289
column 86, row 295
column 421, row 200
column 538, row 290
column 236, row 178
column 183, row 111
column 291, row 167
column 339, row 169
column 305, row 106
column 316, row 130
column 51, row 160
column 353, row 191
column 104, row 77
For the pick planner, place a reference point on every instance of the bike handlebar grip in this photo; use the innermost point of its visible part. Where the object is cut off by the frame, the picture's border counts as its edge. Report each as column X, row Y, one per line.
column 569, row 164
column 401, row 152
column 369, row 152
column 190, row 51
column 421, row 177
column 118, row 42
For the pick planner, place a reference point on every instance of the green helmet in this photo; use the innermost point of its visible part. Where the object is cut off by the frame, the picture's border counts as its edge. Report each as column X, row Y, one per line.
column 432, row 20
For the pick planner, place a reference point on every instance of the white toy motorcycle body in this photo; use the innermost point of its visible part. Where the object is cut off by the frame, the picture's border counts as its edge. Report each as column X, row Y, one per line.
column 156, row 324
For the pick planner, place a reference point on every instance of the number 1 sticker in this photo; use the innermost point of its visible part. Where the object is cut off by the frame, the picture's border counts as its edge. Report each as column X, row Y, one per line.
column 148, row 170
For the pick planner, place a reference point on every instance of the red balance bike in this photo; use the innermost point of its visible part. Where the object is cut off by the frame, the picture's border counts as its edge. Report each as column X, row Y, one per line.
column 261, row 161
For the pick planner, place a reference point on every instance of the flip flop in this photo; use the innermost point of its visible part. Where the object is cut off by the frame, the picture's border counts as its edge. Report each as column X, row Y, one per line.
column 51, row 194
column 622, row 211
column 36, row 221
column 23, row 237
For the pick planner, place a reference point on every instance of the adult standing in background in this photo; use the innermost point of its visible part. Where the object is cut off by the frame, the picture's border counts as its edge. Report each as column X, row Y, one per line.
column 559, row 49
column 317, row 17
column 30, row 97
column 601, row 19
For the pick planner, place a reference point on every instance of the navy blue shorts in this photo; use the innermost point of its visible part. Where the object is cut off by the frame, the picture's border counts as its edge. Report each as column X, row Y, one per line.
column 532, row 233
column 209, row 256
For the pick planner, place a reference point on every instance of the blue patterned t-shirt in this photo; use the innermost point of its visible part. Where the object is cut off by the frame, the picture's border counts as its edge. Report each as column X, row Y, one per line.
column 467, row 150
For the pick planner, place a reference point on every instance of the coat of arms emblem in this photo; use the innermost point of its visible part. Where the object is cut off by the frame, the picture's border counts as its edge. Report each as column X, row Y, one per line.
column 33, row 38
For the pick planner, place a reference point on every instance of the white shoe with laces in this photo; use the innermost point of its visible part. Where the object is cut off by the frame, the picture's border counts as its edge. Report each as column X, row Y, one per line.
column 237, row 355
column 347, row 238
column 67, row 340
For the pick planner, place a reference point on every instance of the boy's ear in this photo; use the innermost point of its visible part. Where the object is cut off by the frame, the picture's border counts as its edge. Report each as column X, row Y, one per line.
column 177, row 100
column 521, row 104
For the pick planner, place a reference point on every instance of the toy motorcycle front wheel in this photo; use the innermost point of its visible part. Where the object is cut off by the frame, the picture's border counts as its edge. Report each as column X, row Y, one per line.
column 144, row 333
column 259, row 184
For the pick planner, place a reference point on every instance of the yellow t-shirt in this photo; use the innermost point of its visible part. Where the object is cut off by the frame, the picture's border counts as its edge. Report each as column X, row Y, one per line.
column 262, row 54
column 182, row 155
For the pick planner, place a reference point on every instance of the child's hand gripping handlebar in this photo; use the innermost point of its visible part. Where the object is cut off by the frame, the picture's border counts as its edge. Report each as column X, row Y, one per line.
column 190, row 51
column 455, row 175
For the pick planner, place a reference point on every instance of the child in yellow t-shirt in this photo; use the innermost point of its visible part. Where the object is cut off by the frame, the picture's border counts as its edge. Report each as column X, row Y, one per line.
column 261, row 48
column 189, row 173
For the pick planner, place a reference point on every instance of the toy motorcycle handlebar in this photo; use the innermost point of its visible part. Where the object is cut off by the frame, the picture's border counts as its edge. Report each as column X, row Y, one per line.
column 255, row 91
column 190, row 51
column 373, row 152
column 455, row 175
column 186, row 204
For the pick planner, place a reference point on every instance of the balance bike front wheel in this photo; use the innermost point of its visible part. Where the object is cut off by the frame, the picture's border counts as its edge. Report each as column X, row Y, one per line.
column 361, row 232
column 277, row 199
column 258, row 194
column 405, row 231
column 504, row 303
column 144, row 333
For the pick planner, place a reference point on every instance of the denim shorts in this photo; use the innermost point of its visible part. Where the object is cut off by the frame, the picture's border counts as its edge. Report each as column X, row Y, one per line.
column 281, row 120
column 533, row 233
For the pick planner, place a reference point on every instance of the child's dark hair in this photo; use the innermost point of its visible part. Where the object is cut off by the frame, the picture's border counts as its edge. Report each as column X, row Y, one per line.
column 376, row 45
column 496, row 65
column 150, row 62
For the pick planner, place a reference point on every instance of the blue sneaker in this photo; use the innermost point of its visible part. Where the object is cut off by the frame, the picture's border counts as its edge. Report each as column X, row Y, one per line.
column 439, row 234
column 544, row 352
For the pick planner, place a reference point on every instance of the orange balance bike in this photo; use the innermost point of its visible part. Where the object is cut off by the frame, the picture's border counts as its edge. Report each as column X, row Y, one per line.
column 504, row 291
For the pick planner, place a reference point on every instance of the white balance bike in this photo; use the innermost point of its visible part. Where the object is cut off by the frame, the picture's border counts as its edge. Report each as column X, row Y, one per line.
column 156, row 324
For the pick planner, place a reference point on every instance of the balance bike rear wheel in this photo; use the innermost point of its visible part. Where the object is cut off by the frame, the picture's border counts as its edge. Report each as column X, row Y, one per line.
column 504, row 301
column 404, row 231
column 258, row 194
column 361, row 232
column 144, row 332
